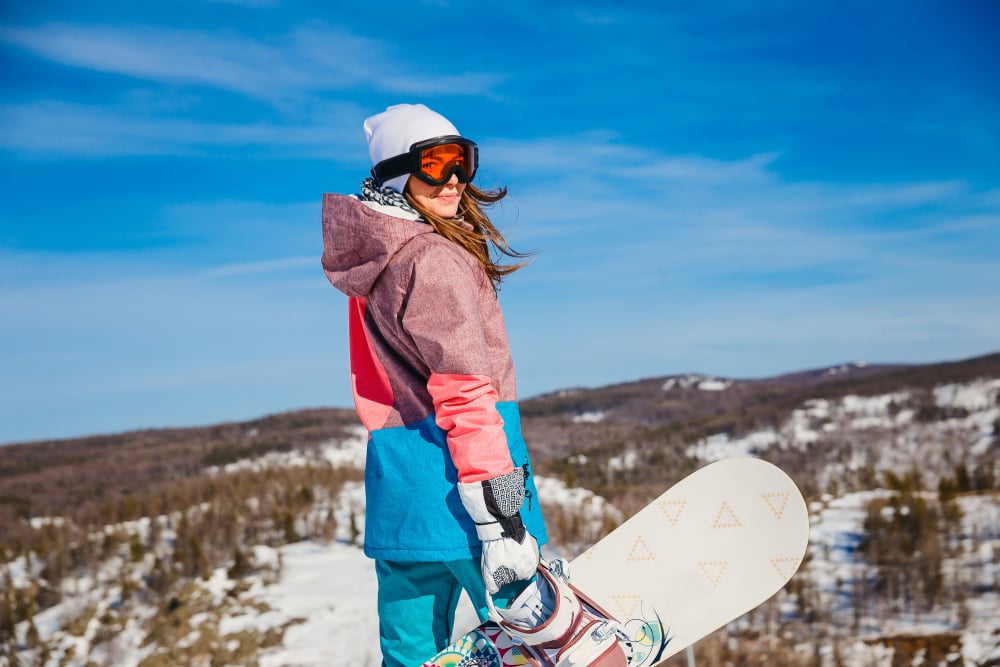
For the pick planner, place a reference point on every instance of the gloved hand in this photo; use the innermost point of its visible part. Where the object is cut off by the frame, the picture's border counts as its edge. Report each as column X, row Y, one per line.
column 510, row 553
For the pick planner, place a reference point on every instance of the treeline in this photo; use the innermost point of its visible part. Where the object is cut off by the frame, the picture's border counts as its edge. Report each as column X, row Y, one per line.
column 907, row 565
column 45, row 478
column 176, row 531
column 908, row 536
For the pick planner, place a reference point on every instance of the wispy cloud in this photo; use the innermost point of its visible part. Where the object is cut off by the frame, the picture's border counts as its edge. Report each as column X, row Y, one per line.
column 306, row 60
column 736, row 229
column 53, row 128
column 128, row 335
column 183, row 83
column 265, row 267
column 603, row 156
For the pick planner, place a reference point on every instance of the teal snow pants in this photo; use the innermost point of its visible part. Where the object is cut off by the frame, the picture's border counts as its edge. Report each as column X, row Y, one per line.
column 416, row 606
column 417, row 602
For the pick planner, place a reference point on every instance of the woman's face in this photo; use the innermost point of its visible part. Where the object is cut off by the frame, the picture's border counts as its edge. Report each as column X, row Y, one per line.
column 440, row 200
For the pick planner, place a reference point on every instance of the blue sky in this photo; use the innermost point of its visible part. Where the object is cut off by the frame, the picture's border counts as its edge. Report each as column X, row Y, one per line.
column 736, row 188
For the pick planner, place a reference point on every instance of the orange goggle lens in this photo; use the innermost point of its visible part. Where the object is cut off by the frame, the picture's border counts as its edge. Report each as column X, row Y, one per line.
column 437, row 162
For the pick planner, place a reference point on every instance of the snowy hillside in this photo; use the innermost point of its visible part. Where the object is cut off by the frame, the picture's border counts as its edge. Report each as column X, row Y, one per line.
column 903, row 568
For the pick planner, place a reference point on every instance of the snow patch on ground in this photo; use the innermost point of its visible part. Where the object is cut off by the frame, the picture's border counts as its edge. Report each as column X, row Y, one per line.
column 845, row 368
column 627, row 461
column 349, row 511
column 974, row 397
column 589, row 417
column 333, row 590
column 349, row 452
column 722, row 446
column 821, row 418
column 700, row 382
column 586, row 504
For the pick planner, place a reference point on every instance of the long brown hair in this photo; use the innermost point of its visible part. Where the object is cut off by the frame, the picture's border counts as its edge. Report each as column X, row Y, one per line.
column 473, row 231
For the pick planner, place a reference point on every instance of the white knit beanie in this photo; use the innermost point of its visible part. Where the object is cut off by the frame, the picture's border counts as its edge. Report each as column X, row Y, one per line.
column 393, row 131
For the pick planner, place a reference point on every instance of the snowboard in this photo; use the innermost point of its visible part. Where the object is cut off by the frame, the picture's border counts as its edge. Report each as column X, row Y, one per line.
column 714, row 546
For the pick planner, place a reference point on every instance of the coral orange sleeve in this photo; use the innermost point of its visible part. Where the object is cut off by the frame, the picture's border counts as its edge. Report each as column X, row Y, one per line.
column 465, row 407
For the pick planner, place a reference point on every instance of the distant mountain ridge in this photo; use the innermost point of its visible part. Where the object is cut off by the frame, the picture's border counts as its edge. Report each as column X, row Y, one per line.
column 666, row 412
column 692, row 406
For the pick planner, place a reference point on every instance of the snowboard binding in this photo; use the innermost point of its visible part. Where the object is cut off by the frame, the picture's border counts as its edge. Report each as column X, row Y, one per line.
column 555, row 625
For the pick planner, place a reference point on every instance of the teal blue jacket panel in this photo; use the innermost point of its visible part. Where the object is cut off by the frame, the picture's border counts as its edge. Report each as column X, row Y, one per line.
column 411, row 486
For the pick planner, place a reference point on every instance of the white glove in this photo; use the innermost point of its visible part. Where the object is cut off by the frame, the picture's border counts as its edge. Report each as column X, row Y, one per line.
column 510, row 553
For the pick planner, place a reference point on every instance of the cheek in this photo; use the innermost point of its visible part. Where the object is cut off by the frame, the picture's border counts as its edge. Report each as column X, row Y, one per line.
column 420, row 197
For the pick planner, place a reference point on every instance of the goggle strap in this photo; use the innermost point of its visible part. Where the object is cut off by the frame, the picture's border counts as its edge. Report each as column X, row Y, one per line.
column 391, row 168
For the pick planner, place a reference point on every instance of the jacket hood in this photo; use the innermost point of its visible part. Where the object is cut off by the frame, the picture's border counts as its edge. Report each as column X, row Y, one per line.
column 359, row 240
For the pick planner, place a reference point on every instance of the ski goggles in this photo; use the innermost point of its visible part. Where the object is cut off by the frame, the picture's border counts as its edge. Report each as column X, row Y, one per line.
column 433, row 161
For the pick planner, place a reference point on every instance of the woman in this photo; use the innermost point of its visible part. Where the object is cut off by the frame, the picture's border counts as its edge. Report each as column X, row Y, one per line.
column 450, row 503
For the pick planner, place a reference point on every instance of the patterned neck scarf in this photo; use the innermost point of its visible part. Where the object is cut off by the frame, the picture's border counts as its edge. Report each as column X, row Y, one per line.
column 389, row 197
column 385, row 196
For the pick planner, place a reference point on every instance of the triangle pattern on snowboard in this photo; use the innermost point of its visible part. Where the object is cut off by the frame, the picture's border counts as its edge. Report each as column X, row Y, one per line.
column 713, row 570
column 786, row 566
column 672, row 510
column 726, row 518
column 640, row 551
column 627, row 605
column 776, row 502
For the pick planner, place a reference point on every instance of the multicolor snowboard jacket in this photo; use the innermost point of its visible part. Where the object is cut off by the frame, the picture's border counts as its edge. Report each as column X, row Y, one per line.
column 432, row 376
